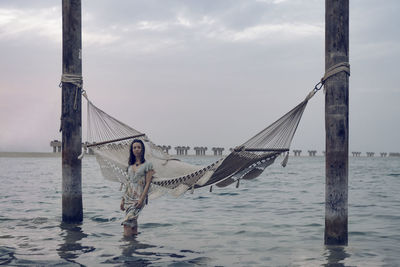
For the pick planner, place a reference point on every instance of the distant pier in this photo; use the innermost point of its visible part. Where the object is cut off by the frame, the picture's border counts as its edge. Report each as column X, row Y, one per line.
column 165, row 148
column 219, row 151
column 312, row 153
column 56, row 145
column 182, row 150
column 297, row 152
column 200, row 150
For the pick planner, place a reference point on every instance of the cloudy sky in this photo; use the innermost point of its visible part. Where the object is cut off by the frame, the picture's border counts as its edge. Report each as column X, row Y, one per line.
column 198, row 73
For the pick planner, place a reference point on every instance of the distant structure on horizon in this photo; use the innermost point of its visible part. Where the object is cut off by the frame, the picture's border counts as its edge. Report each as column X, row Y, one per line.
column 200, row 150
column 297, row 152
column 165, row 148
column 181, row 150
column 218, row 151
column 312, row 153
column 56, row 145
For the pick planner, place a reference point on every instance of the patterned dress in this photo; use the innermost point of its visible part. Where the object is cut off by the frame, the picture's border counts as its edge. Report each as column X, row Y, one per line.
column 133, row 190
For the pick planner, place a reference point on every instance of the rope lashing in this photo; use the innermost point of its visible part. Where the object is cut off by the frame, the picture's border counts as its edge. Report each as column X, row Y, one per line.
column 335, row 69
column 74, row 79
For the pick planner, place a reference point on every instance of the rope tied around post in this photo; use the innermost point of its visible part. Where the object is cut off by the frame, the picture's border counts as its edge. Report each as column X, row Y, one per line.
column 335, row 69
column 74, row 79
column 77, row 81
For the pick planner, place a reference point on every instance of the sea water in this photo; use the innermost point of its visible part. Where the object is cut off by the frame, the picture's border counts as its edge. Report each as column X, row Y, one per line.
column 274, row 220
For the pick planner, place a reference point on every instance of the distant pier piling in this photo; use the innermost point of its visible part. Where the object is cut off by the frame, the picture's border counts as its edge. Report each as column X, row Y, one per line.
column 200, row 150
column 71, row 117
column 217, row 151
column 181, row 150
column 165, row 148
column 312, row 153
column 336, row 123
column 56, row 145
column 297, row 152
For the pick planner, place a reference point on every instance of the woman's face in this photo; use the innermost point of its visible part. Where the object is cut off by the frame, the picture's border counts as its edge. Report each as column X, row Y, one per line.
column 137, row 149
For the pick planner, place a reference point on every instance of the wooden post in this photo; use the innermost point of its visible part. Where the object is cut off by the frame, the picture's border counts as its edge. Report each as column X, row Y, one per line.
column 71, row 119
column 336, row 122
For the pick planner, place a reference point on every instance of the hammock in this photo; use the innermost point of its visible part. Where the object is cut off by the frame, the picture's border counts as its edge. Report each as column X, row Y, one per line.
column 110, row 141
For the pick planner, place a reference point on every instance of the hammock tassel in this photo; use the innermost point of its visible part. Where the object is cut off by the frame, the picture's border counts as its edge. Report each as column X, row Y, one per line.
column 81, row 155
column 192, row 190
column 210, row 189
column 285, row 160
column 237, row 183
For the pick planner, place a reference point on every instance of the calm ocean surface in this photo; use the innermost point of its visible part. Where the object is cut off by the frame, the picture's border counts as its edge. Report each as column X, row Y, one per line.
column 274, row 220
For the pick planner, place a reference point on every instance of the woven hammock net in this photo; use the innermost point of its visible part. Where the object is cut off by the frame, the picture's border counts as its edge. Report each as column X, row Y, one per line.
column 110, row 140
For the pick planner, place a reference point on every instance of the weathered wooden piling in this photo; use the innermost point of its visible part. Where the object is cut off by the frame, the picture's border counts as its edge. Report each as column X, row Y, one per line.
column 71, row 117
column 336, row 123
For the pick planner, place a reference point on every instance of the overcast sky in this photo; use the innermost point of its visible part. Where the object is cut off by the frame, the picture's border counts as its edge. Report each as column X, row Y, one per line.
column 199, row 73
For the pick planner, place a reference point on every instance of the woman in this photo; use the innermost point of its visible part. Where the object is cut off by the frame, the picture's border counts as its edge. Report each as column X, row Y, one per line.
column 140, row 173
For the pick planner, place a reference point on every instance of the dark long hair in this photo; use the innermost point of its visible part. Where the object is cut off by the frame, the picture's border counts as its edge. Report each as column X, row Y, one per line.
column 132, row 158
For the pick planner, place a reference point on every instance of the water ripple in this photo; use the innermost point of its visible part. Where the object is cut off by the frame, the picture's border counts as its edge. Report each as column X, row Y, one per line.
column 274, row 220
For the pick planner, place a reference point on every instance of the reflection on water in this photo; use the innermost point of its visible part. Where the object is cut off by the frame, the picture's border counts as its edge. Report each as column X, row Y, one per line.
column 132, row 251
column 130, row 254
column 275, row 220
column 71, row 248
column 335, row 255
column 6, row 255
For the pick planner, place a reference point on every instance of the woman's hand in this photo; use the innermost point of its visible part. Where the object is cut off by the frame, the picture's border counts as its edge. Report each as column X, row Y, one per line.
column 139, row 204
column 121, row 206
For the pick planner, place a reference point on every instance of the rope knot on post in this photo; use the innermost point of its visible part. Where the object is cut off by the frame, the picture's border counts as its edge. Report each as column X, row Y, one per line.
column 335, row 69
column 74, row 79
